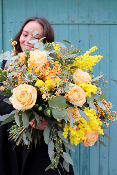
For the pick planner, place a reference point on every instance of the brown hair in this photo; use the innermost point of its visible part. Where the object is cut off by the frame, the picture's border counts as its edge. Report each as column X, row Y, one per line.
column 48, row 32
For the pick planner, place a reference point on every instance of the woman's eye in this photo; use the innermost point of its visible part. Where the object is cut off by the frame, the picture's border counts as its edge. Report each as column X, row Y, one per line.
column 24, row 35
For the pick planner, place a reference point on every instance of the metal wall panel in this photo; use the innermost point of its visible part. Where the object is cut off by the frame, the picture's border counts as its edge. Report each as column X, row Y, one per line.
column 85, row 23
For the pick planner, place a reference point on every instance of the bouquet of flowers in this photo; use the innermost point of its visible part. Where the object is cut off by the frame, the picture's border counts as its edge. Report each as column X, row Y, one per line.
column 52, row 83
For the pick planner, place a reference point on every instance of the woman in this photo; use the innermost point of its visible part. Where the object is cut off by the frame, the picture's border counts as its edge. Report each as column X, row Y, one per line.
column 19, row 160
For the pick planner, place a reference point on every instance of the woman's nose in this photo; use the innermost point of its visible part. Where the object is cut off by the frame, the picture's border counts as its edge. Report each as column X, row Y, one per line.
column 29, row 38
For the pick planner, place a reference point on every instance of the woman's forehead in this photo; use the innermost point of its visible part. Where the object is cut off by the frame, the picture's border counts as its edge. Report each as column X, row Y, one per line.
column 33, row 26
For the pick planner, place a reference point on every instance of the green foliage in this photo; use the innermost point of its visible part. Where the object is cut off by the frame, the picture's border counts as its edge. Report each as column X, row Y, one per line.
column 8, row 119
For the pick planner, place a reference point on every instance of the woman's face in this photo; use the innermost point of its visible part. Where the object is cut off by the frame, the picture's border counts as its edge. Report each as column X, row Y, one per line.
column 27, row 34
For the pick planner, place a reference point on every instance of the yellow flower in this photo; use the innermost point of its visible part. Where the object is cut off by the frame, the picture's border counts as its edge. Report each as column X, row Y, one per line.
column 39, row 83
column 49, row 84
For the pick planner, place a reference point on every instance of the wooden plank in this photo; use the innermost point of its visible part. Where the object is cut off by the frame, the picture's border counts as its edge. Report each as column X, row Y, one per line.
column 84, row 152
column 0, row 29
column 104, row 67
column 83, row 10
column 113, row 96
column 72, row 8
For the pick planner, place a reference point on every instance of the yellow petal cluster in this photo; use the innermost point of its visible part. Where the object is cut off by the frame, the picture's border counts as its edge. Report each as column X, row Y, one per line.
column 56, row 47
column 88, row 88
column 78, row 135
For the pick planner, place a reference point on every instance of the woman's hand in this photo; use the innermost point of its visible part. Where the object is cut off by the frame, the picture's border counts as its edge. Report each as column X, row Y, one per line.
column 41, row 125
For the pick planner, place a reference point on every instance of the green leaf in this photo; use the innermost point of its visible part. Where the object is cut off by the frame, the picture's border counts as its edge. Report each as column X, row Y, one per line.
column 7, row 101
column 8, row 119
column 17, row 119
column 71, row 120
column 49, row 167
column 107, row 136
column 61, row 136
column 101, row 97
column 101, row 142
column 37, row 116
column 61, row 45
column 67, row 158
column 25, row 119
column 56, row 101
column 3, row 93
column 66, row 41
column 24, row 138
column 92, row 106
column 50, row 148
column 46, row 133
column 69, row 145
column 55, row 113
column 62, row 113
column 84, row 116
column 62, row 105
column 102, row 127
column 75, row 103
column 66, row 165
column 97, row 78
column 33, row 41
column 53, row 56
column 101, row 105
column 28, row 135
column 77, row 51
column 73, row 67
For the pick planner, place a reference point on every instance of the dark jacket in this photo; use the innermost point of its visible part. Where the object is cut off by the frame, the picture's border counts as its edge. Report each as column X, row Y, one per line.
column 18, row 160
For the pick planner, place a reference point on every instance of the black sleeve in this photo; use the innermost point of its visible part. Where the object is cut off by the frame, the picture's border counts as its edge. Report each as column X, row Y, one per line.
column 5, row 108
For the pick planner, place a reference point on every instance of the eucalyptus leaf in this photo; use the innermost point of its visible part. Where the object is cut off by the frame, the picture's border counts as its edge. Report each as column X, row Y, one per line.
column 53, row 56
column 101, row 97
column 102, row 127
column 67, row 158
column 50, row 148
column 37, row 116
column 61, row 45
column 46, row 133
column 92, row 106
column 62, row 113
column 3, row 117
column 6, row 100
column 101, row 105
column 14, row 57
column 55, row 113
column 28, row 135
column 17, row 119
column 25, row 119
column 8, row 119
column 66, row 41
column 24, row 138
column 62, row 105
column 3, row 93
column 71, row 120
column 95, row 144
column 76, row 51
column 56, row 101
column 49, row 167
column 61, row 136
column 102, row 143
column 76, row 104
column 69, row 145
column 107, row 136
column 97, row 78
column 66, row 165
column 35, row 32
column 84, row 116
column 33, row 41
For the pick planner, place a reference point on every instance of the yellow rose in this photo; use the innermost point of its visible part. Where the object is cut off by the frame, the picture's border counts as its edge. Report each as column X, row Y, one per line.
column 38, row 58
column 76, row 94
column 91, row 138
column 24, row 97
column 75, row 114
column 81, row 77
